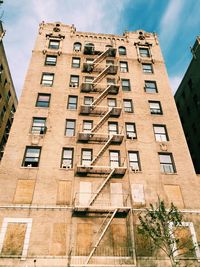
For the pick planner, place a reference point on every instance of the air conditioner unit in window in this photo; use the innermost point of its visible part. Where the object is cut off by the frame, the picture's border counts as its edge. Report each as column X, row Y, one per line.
column 73, row 85
column 77, row 50
column 135, row 170
column 131, row 136
column 65, row 166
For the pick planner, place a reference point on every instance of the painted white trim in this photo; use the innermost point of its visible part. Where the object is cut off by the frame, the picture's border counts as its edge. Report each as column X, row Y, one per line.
column 4, row 227
column 190, row 225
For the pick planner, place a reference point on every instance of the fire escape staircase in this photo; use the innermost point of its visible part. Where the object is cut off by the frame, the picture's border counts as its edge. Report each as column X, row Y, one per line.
column 100, row 234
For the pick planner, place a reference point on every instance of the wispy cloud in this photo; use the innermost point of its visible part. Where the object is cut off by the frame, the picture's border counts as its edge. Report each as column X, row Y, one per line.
column 170, row 22
column 175, row 82
column 22, row 19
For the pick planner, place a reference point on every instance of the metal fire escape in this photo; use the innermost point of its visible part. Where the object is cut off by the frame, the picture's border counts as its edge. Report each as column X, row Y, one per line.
column 95, row 135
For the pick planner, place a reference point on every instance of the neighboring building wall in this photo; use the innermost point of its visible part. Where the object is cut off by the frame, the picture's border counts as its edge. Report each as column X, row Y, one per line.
column 52, row 210
column 187, row 100
column 8, row 98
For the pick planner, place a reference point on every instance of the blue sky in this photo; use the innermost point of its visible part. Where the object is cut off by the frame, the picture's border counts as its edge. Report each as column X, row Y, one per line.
column 177, row 23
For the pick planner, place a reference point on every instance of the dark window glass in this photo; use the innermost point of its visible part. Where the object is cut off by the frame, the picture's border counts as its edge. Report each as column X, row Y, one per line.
column 126, row 86
column 31, row 157
column 50, row 60
column 43, row 100
column 54, row 44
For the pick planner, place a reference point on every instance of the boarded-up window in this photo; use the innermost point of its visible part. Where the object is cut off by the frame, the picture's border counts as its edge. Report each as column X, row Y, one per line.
column 185, row 243
column 174, row 195
column 85, row 193
column 14, row 239
column 84, row 239
column 120, row 240
column 58, row 247
column 63, row 193
column 137, row 191
column 116, row 194
column 24, row 191
column 143, row 245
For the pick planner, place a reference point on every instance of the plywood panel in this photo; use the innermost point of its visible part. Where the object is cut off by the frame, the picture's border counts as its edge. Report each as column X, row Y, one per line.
column 84, row 238
column 174, row 195
column 14, row 239
column 185, row 245
column 116, row 194
column 24, row 191
column 58, row 246
column 85, row 193
column 120, row 240
column 63, row 193
column 137, row 191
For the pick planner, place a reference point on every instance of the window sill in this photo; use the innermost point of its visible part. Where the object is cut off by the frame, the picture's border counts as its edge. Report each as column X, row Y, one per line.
column 66, row 169
column 169, row 173
column 34, row 168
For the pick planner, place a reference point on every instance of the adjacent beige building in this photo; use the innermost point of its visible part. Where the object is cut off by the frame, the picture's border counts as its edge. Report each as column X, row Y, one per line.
column 95, row 139
column 8, row 98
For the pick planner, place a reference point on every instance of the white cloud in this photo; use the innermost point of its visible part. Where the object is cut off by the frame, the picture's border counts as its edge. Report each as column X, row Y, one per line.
column 170, row 22
column 175, row 82
column 23, row 17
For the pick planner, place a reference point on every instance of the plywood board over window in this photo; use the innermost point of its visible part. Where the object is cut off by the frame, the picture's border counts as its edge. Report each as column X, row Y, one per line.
column 63, row 193
column 84, row 239
column 174, row 195
column 24, row 191
column 14, row 239
column 58, row 246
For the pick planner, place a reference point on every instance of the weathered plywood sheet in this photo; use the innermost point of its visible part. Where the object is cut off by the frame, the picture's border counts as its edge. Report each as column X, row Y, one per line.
column 24, row 191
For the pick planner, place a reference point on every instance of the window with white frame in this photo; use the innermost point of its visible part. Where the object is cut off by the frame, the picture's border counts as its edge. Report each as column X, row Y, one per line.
column 114, row 158
column 166, row 163
column 112, row 102
column 155, row 107
column 50, row 60
column 67, row 158
column 150, row 87
column 86, row 157
column 70, row 127
column 160, row 132
column 87, row 126
column 147, row 68
column 126, row 86
column 128, row 105
column 123, row 66
column 88, row 100
column 54, row 44
column 112, row 128
column 47, row 79
column 134, row 162
column 130, row 131
column 76, row 61
column 74, row 81
column 38, row 125
column 144, row 52
column 72, row 102
column 31, row 156
column 15, row 236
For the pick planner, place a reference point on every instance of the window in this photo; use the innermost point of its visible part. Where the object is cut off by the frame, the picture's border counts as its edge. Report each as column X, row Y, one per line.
column 8, row 95
column 70, row 127
column 134, row 160
column 114, row 159
column 155, row 107
column 131, row 131
column 123, row 66
column 150, row 87
column 126, row 86
column 54, row 44
column 47, row 79
column 110, row 81
column 50, row 60
column 86, row 157
column 3, row 112
column 43, row 100
column 72, row 102
column 112, row 128
column 87, row 126
column 67, row 158
column 39, row 126
column 122, row 50
column 76, row 62
column 88, row 100
column 89, row 60
column 77, row 47
column 109, row 62
column 74, row 81
column 89, row 79
column 160, row 133
column 128, row 106
column 147, row 68
column 166, row 163
column 31, row 157
column 112, row 102
column 144, row 52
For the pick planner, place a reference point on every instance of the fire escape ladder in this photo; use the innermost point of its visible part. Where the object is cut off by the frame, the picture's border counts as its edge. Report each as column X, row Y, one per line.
column 103, row 228
column 101, row 187
column 102, row 150
column 100, row 58
column 101, row 96
column 96, row 127
column 101, row 74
